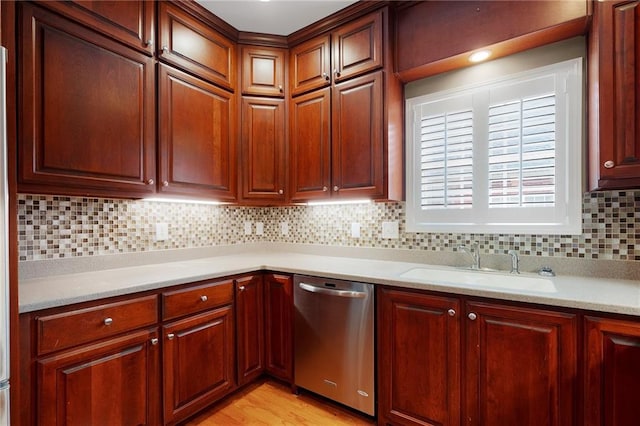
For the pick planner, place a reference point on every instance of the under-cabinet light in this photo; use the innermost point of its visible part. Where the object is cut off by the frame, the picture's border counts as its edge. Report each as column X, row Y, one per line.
column 337, row 203
column 182, row 201
column 480, row 55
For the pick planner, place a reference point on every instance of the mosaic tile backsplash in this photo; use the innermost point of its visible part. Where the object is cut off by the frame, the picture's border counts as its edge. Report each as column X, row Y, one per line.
column 53, row 227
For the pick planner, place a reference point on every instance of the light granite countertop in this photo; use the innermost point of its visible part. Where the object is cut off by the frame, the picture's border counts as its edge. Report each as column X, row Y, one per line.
column 59, row 289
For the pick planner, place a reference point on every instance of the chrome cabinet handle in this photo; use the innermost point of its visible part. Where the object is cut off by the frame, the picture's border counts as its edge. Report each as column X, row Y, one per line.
column 165, row 49
column 452, row 312
column 149, row 43
column 281, row 191
column 108, row 321
column 165, row 183
column 241, row 288
column 150, row 182
column 472, row 316
column 326, row 76
column 609, row 164
column 170, row 336
column 336, row 188
column 325, row 189
column 154, row 341
column 204, row 298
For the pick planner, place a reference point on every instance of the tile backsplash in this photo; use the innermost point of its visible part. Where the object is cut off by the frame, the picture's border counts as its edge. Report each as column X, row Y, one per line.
column 53, row 227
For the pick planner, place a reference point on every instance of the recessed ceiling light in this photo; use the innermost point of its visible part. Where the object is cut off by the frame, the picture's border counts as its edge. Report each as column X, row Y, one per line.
column 480, row 55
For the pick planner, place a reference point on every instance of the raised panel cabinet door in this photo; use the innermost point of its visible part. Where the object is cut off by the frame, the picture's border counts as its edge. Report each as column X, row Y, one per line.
column 310, row 65
column 193, row 45
column 615, row 95
column 197, row 137
column 418, row 359
column 357, row 47
column 115, row 382
column 310, row 146
column 278, row 306
column 263, row 149
column 612, row 356
column 87, row 105
column 263, row 71
column 198, row 363
column 521, row 366
column 131, row 21
column 249, row 328
column 358, row 155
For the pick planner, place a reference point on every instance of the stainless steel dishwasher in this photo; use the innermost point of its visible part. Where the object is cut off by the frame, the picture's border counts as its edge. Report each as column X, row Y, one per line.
column 334, row 340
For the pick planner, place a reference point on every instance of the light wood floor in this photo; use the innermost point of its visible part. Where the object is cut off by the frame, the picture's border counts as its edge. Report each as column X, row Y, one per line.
column 271, row 403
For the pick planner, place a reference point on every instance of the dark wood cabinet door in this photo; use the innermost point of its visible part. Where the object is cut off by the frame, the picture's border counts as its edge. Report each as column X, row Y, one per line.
column 197, row 137
column 612, row 357
column 87, row 105
column 263, row 71
column 356, row 139
column 193, row 45
column 310, row 146
column 198, row 363
column 357, row 47
column 263, row 150
column 418, row 359
column 115, row 382
column 310, row 65
column 521, row 366
column 615, row 95
column 278, row 305
column 131, row 21
column 250, row 328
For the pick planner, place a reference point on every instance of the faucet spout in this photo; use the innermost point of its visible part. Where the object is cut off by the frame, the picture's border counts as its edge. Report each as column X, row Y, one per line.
column 515, row 261
column 473, row 253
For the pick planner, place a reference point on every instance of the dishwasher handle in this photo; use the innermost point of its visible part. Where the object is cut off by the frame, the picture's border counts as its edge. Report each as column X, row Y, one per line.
column 331, row 292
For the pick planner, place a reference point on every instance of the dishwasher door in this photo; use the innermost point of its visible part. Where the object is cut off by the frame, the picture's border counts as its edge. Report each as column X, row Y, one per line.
column 334, row 340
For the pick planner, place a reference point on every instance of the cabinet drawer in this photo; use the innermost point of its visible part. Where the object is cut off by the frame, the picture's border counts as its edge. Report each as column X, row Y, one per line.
column 72, row 328
column 196, row 299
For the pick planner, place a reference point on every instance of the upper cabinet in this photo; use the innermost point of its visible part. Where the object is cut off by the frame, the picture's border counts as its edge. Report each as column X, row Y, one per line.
column 87, row 110
column 614, row 96
column 193, row 45
column 263, row 71
column 131, row 22
column 197, row 137
column 310, row 64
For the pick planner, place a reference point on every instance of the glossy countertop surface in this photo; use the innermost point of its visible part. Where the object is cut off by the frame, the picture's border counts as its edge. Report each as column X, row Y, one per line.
column 598, row 294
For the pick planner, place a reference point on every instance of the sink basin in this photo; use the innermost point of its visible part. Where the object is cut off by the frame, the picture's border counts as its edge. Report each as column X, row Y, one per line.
column 469, row 277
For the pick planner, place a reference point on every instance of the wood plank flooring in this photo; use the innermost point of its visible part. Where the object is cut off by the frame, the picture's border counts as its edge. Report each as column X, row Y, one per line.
column 268, row 403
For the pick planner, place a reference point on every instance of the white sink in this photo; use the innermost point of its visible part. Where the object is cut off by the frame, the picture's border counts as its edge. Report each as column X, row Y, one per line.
column 502, row 281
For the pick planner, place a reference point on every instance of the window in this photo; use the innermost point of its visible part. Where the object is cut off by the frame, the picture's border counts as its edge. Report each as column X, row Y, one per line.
column 499, row 157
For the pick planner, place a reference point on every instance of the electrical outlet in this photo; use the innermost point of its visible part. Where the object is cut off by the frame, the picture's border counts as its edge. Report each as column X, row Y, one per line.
column 259, row 228
column 162, row 231
column 248, row 228
column 284, row 228
column 355, row 230
column 390, row 230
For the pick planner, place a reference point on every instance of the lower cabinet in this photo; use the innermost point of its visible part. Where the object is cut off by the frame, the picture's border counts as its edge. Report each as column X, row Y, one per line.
column 443, row 360
column 278, row 302
column 249, row 328
column 115, row 382
column 612, row 358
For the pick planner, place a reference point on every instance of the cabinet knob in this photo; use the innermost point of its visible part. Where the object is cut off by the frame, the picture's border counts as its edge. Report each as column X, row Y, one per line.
column 165, row 183
column 204, row 298
column 154, row 341
column 241, row 288
column 452, row 312
column 149, row 43
column 609, row 164
column 280, row 88
column 325, row 189
column 336, row 188
column 170, row 336
column 326, row 76
column 165, row 49
column 336, row 73
column 108, row 321
column 150, row 182
column 281, row 191
column 472, row 316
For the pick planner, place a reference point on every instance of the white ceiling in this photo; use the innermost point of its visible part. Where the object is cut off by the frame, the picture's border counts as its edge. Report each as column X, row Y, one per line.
column 280, row 17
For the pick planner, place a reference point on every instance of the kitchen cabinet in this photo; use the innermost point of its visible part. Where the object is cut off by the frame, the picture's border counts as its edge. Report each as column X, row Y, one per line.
column 249, row 304
column 263, row 150
column 263, row 71
column 342, row 142
column 87, row 110
column 278, row 307
column 131, row 22
column 612, row 351
column 614, row 95
column 198, row 350
column 517, row 365
column 193, row 44
column 197, row 139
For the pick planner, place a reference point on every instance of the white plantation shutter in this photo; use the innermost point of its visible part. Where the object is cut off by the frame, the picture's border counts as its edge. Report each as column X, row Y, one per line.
column 501, row 157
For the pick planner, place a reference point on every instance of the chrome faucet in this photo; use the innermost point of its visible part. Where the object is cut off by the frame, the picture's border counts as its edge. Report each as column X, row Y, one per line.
column 515, row 261
column 474, row 253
